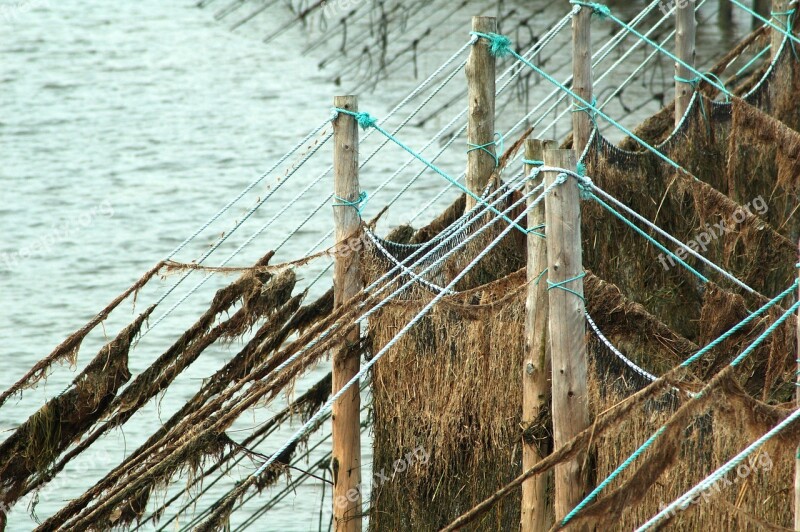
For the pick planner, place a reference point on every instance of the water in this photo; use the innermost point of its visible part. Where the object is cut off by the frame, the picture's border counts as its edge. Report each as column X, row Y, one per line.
column 125, row 126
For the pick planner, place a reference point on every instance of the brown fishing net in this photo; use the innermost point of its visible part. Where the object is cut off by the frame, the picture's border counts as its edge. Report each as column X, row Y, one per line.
column 452, row 384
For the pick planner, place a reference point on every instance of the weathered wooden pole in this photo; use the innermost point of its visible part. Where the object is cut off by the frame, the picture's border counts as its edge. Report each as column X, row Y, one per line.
column 685, row 31
column 797, row 403
column 582, row 77
column 725, row 14
column 778, row 17
column 346, row 458
column 480, row 70
column 536, row 514
column 566, row 327
column 762, row 8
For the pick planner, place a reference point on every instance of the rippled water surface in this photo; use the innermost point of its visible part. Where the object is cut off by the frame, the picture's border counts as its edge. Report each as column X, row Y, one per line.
column 125, row 125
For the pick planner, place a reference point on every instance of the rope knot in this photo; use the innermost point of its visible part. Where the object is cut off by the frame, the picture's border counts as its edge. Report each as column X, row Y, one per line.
column 342, row 202
column 485, row 147
column 691, row 81
column 562, row 285
column 364, row 119
column 585, row 184
column 499, row 45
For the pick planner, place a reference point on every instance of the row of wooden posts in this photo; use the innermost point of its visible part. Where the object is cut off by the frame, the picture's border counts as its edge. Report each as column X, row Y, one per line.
column 554, row 371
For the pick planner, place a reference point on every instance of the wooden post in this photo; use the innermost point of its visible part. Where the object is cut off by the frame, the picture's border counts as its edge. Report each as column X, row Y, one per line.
column 480, row 71
column 797, row 403
column 581, row 77
column 725, row 15
column 762, row 8
column 567, row 328
column 346, row 458
column 685, row 31
column 536, row 514
column 778, row 6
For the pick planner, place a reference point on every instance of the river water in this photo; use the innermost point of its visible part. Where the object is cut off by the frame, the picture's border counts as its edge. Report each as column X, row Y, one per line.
column 124, row 126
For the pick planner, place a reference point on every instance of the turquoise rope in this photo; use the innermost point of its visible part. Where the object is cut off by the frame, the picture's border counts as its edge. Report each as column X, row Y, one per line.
column 539, row 277
column 707, row 348
column 763, row 336
column 653, row 241
column 605, row 12
column 502, row 51
column 753, row 60
column 788, row 15
column 693, row 81
column 341, row 202
column 365, row 121
column 771, row 303
column 765, row 21
column 610, row 478
column 485, row 147
column 561, row 285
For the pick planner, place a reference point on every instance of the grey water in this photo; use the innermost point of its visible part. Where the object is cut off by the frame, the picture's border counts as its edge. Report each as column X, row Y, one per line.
column 124, row 126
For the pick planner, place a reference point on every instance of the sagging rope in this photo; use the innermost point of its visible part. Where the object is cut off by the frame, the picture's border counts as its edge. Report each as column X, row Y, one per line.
column 736, row 361
column 299, row 434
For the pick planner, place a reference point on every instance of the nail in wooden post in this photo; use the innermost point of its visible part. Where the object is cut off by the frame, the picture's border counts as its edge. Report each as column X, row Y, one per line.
column 346, row 458
column 778, row 7
column 566, row 328
column 797, row 401
column 581, row 77
column 685, row 31
column 536, row 512
column 480, row 70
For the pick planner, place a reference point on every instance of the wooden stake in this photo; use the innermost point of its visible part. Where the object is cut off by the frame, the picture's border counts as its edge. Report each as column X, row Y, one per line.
column 480, row 71
column 797, row 402
column 685, row 31
column 778, row 6
column 762, row 8
column 567, row 328
column 725, row 15
column 346, row 458
column 536, row 512
column 582, row 76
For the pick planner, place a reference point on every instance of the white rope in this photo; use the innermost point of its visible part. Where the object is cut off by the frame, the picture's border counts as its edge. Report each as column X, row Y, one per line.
column 416, row 91
column 248, row 188
column 684, row 500
column 301, row 432
column 671, row 238
column 628, row 362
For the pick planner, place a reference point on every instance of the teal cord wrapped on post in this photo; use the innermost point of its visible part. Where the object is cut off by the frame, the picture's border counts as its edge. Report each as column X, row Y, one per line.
column 501, row 46
column 691, row 81
column 589, row 109
column 788, row 15
column 341, row 202
column 605, row 12
column 365, row 120
column 485, row 147
column 562, row 285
